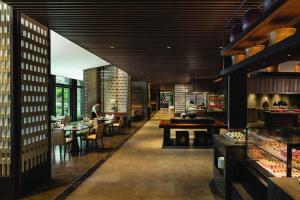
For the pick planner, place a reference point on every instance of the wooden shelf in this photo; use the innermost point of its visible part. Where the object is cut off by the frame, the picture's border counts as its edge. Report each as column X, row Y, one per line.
column 283, row 13
column 283, row 51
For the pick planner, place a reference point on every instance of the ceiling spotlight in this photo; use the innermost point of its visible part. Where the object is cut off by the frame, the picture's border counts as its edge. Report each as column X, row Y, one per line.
column 220, row 47
column 111, row 47
column 289, row 55
column 168, row 47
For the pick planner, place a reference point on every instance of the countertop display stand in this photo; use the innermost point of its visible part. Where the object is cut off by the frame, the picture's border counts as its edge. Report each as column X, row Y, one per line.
column 234, row 154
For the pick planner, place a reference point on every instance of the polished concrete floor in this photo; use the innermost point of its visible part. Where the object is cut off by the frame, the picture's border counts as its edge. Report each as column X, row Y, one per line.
column 141, row 169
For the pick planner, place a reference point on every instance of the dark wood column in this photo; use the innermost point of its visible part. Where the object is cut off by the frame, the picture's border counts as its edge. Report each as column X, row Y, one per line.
column 91, row 90
column 52, row 95
column 16, row 120
column 237, row 100
column 73, row 99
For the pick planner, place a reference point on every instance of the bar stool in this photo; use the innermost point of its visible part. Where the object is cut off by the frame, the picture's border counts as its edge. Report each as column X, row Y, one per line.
column 202, row 138
column 182, row 138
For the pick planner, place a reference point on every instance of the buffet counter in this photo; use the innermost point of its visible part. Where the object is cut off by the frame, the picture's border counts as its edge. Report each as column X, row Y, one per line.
column 282, row 118
column 275, row 117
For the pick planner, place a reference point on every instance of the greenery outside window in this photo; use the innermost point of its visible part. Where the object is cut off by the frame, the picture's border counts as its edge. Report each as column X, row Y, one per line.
column 63, row 96
column 62, row 100
column 80, row 100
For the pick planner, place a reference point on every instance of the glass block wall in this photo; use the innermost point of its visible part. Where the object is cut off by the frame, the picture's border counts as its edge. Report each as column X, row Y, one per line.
column 180, row 97
column 5, row 95
column 114, row 89
column 34, row 80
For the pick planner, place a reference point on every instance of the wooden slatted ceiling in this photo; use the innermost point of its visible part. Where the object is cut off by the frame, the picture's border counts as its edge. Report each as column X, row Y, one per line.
column 141, row 31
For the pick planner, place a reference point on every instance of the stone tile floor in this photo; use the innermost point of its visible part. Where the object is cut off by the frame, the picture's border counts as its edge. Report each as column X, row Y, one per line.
column 142, row 170
column 65, row 172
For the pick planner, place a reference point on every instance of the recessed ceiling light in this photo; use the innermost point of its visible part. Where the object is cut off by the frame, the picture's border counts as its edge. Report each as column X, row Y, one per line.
column 220, row 47
column 289, row 55
column 111, row 47
column 168, row 47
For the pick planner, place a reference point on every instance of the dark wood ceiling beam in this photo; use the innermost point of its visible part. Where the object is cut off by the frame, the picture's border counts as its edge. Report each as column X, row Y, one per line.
column 140, row 31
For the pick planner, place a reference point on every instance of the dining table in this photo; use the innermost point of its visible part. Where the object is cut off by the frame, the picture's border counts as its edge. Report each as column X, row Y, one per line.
column 74, row 130
column 213, row 127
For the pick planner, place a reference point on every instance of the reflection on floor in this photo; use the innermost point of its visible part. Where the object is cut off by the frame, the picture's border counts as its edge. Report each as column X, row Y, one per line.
column 65, row 172
column 142, row 170
column 256, row 124
column 163, row 115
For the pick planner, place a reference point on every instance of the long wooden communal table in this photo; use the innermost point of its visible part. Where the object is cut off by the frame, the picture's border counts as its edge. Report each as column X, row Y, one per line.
column 212, row 128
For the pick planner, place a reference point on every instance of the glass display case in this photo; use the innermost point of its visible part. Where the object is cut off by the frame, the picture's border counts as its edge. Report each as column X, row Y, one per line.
column 215, row 102
column 236, row 135
column 274, row 152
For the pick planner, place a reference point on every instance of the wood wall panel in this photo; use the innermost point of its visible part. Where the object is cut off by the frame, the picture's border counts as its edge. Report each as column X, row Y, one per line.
column 139, row 98
column 91, row 90
column 271, row 85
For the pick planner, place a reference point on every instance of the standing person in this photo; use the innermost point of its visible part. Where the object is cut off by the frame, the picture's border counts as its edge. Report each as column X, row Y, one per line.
column 95, row 110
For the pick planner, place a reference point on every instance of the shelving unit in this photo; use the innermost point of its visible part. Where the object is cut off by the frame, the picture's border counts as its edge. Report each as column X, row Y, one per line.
column 283, row 13
column 285, row 50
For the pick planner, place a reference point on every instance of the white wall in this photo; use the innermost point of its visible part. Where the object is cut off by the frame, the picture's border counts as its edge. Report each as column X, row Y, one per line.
column 69, row 60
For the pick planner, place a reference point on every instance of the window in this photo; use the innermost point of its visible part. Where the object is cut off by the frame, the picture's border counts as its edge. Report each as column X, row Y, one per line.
column 63, row 96
column 79, row 103
column 65, row 89
column 66, row 101
column 59, row 102
column 62, row 100
column 80, row 100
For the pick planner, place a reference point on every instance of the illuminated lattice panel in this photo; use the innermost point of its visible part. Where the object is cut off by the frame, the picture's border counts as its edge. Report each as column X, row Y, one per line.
column 34, row 73
column 109, row 89
column 98, row 88
column 5, row 84
column 114, row 89
column 122, row 90
column 180, row 95
column 85, row 77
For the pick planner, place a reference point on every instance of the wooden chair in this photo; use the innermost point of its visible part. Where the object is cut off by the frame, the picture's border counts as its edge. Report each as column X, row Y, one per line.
column 109, row 123
column 95, row 125
column 58, row 139
column 120, row 125
column 66, row 121
column 96, row 137
column 84, row 133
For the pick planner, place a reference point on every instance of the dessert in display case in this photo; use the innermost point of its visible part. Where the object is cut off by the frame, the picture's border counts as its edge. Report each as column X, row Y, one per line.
column 215, row 102
column 274, row 152
column 236, row 136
